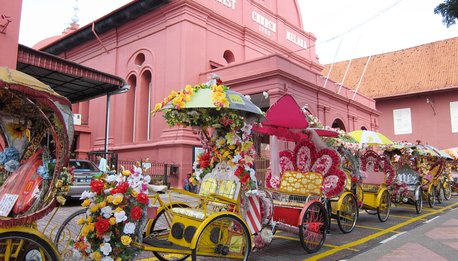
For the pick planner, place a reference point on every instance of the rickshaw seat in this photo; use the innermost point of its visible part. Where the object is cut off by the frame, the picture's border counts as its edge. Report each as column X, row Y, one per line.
column 301, row 183
column 220, row 183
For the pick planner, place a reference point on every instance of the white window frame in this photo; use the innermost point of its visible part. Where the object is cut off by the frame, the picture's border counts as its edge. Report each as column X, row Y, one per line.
column 402, row 121
column 454, row 116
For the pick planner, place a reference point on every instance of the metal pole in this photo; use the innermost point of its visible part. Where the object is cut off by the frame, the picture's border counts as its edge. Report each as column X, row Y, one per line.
column 361, row 79
column 107, row 124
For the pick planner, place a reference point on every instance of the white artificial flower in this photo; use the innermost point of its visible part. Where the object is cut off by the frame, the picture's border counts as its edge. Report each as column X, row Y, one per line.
column 111, row 178
column 265, row 94
column 147, row 178
column 87, row 194
column 120, row 216
column 107, row 211
column 106, row 249
column 107, row 258
column 129, row 228
column 237, row 158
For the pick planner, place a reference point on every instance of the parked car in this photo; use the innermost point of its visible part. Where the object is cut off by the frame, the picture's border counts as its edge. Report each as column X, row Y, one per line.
column 82, row 176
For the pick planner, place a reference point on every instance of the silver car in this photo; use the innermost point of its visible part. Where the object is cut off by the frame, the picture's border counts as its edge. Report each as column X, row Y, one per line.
column 82, row 176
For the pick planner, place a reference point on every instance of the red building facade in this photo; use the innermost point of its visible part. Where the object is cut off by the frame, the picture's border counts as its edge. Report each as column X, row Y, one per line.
column 158, row 46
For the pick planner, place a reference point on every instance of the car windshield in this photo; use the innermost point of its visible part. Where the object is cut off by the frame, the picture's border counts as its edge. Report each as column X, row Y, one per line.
column 83, row 166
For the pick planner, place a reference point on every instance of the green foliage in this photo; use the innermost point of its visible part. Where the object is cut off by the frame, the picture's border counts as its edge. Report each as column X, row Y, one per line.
column 449, row 11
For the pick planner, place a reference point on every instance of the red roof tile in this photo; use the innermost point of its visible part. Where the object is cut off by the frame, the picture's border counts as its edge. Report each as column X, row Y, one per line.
column 427, row 67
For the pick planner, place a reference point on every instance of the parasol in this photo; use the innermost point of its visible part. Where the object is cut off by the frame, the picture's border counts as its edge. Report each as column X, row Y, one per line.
column 202, row 98
column 370, row 137
column 284, row 119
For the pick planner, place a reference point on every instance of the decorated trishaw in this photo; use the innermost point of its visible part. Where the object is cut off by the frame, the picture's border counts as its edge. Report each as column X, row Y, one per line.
column 36, row 130
column 377, row 176
column 407, row 186
column 420, row 171
column 310, row 175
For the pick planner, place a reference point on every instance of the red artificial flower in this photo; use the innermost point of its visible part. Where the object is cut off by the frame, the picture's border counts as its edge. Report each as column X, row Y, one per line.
column 354, row 179
column 142, row 198
column 101, row 226
column 204, row 160
column 245, row 179
column 239, row 171
column 97, row 186
column 136, row 213
column 123, row 187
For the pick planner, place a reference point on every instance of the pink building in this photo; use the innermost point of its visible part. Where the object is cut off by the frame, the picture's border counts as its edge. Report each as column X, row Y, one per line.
column 415, row 90
column 157, row 46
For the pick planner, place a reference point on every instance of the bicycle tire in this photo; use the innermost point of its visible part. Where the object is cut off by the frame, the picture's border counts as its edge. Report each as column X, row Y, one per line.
column 61, row 240
column 30, row 243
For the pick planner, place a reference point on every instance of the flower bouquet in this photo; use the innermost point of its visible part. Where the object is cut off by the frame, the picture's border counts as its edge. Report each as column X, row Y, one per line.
column 116, row 215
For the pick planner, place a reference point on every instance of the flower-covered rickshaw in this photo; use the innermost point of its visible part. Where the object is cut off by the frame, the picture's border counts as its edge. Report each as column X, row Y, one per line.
column 419, row 171
column 36, row 129
column 378, row 175
column 309, row 179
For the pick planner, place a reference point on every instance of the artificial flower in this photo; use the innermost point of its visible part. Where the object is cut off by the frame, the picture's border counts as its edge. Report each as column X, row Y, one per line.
column 97, row 186
column 126, row 240
column 129, row 228
column 136, row 213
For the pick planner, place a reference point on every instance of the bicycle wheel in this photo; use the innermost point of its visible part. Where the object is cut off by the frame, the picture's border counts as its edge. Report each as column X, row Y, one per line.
column 312, row 231
column 225, row 236
column 67, row 233
column 384, row 207
column 431, row 197
column 447, row 190
column 347, row 214
column 418, row 200
column 158, row 229
column 437, row 190
column 24, row 246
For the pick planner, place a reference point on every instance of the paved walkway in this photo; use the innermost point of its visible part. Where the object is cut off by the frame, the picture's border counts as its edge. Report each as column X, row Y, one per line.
column 436, row 240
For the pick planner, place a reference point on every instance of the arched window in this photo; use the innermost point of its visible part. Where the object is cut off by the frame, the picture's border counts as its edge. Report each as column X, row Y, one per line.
column 363, row 128
column 143, row 108
column 338, row 124
column 228, row 56
column 129, row 117
column 139, row 59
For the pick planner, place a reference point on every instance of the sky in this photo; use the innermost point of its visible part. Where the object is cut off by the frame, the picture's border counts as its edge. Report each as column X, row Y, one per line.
column 345, row 29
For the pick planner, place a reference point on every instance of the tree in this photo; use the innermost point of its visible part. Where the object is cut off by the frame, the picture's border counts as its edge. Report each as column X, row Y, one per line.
column 449, row 11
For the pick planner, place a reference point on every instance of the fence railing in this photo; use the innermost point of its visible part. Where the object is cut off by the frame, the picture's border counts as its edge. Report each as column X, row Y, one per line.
column 159, row 172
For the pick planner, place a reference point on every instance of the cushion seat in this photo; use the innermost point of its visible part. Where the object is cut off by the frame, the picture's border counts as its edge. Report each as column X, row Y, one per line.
column 190, row 212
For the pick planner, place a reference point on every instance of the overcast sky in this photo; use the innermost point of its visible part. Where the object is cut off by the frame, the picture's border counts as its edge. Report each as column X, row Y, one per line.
column 359, row 27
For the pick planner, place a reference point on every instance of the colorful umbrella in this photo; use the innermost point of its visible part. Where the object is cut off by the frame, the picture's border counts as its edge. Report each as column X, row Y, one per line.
column 370, row 137
column 203, row 99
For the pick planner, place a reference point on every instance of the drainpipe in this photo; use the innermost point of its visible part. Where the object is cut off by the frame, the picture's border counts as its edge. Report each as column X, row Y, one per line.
column 98, row 38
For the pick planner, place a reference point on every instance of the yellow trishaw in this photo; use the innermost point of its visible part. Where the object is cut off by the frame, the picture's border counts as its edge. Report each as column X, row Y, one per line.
column 377, row 176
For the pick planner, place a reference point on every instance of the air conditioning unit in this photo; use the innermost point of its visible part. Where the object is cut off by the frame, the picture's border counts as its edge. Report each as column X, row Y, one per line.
column 76, row 119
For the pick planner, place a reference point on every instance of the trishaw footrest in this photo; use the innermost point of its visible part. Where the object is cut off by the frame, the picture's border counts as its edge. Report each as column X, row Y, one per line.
column 162, row 244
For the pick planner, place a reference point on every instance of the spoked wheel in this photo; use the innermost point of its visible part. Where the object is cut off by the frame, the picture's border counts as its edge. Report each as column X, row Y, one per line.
column 312, row 231
column 431, row 197
column 158, row 229
column 383, row 210
column 447, row 190
column 347, row 214
column 67, row 232
column 225, row 236
column 418, row 200
column 437, row 190
column 21, row 246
